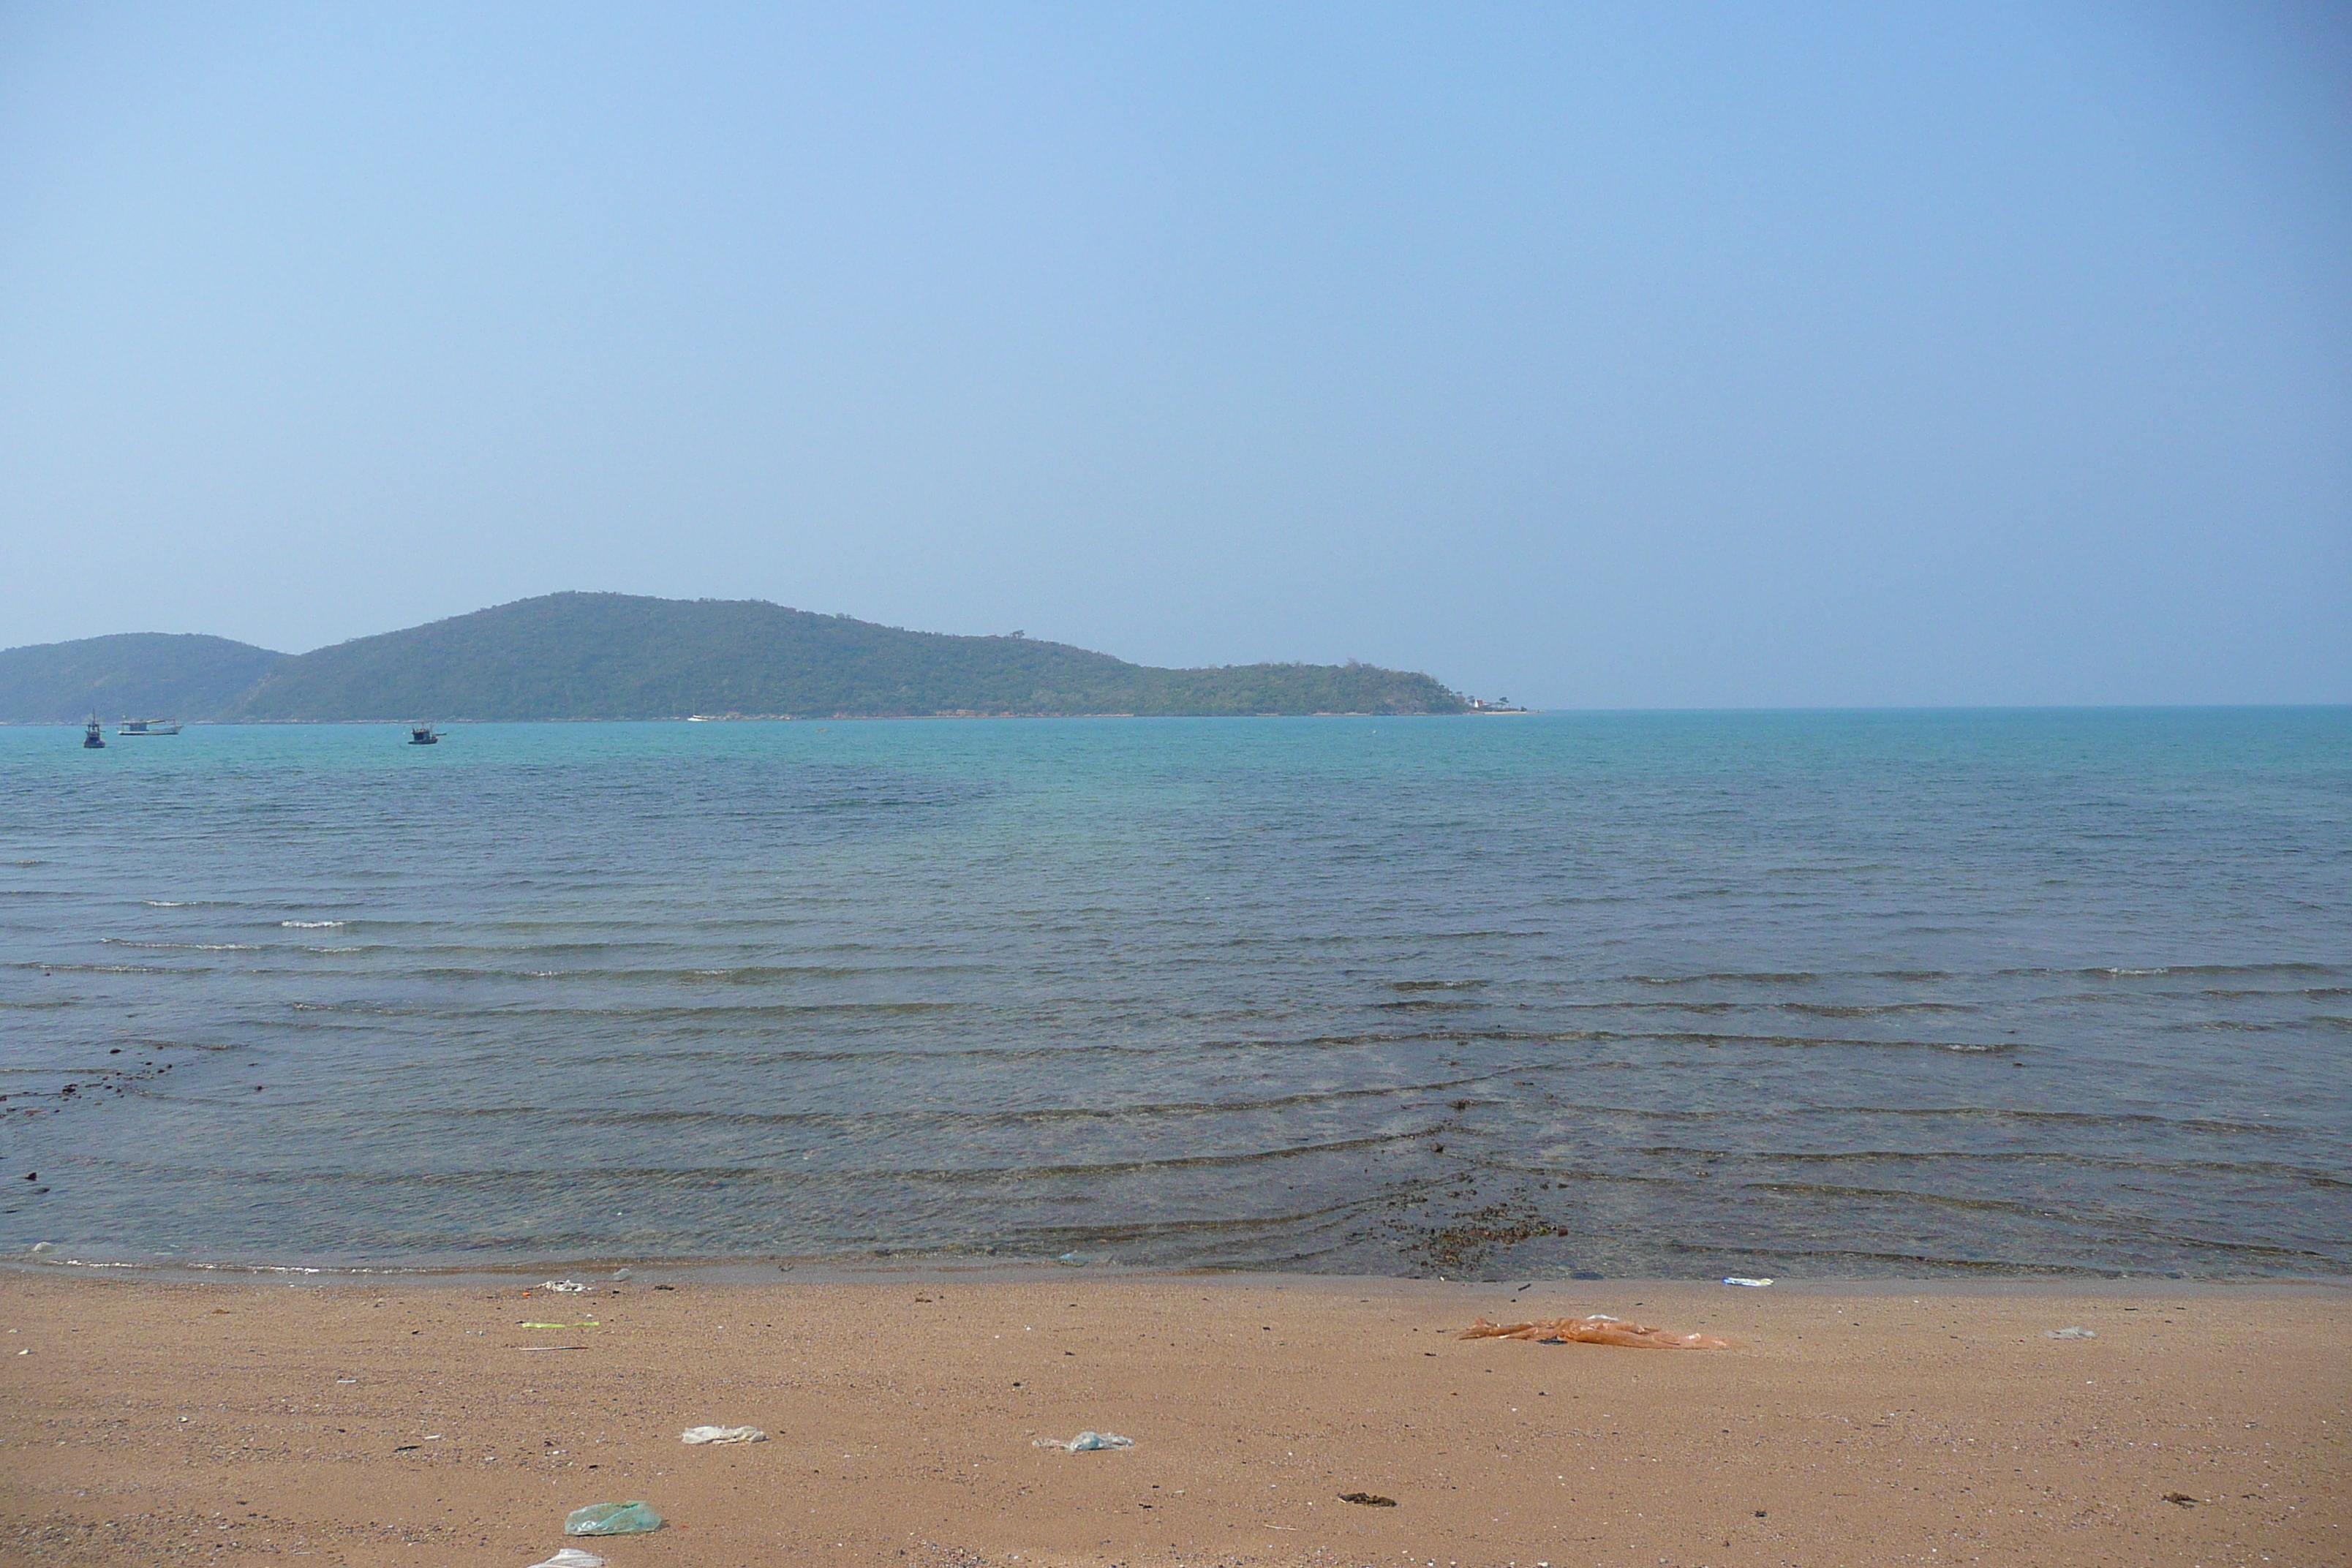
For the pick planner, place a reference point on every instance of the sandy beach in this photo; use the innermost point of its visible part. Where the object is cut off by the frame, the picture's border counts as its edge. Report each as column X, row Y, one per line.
column 429, row 1424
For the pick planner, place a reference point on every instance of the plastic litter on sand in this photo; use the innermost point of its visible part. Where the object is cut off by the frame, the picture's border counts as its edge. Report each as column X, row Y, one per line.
column 564, row 1286
column 571, row 1557
column 1087, row 1442
column 1597, row 1330
column 1743, row 1280
column 611, row 1519
column 2068, row 1334
column 722, row 1434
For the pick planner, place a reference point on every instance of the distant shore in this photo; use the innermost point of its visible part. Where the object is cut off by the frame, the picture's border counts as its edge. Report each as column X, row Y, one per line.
column 455, row 1422
column 737, row 718
column 620, row 656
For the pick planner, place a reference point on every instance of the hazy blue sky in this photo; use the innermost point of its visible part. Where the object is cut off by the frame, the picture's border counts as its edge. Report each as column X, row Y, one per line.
column 1642, row 355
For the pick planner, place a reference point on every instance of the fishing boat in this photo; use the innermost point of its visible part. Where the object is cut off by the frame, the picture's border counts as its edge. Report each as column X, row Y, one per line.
column 93, row 735
column 131, row 726
column 423, row 735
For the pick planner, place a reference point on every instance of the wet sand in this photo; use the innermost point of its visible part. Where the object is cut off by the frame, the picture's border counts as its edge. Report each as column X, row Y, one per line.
column 1921, row 1422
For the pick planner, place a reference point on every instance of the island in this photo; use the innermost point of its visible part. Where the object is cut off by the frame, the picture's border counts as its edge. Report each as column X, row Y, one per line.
column 576, row 656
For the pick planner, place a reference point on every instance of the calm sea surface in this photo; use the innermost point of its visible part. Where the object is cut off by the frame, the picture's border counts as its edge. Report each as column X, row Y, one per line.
column 1828, row 994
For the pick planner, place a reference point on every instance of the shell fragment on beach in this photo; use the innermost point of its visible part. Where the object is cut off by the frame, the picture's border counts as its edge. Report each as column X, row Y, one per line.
column 562, row 1287
column 1597, row 1330
column 2068, row 1333
column 571, row 1557
column 722, row 1434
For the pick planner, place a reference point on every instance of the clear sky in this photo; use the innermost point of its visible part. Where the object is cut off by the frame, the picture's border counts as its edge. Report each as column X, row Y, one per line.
column 1640, row 355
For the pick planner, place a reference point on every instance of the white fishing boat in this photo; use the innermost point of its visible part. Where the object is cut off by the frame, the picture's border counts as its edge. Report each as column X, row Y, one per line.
column 131, row 726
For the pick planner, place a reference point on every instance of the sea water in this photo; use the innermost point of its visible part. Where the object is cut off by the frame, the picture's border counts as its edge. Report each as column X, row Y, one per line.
column 1788, row 994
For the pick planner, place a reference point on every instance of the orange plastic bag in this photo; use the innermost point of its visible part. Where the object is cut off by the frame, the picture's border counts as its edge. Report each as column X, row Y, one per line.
column 1594, row 1331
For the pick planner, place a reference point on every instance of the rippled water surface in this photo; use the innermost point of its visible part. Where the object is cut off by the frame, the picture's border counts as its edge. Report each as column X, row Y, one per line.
column 1786, row 993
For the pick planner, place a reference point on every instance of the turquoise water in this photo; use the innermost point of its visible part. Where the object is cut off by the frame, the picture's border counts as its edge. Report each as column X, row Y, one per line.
column 1825, row 993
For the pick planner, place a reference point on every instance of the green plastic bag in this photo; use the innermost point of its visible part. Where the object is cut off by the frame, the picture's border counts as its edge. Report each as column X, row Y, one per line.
column 610, row 1518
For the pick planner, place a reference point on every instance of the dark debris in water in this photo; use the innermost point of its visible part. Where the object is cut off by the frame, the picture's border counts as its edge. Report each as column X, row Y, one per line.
column 1464, row 1241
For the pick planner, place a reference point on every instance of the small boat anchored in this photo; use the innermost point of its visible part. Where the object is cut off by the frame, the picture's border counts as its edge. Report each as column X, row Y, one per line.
column 93, row 735
column 131, row 726
column 423, row 735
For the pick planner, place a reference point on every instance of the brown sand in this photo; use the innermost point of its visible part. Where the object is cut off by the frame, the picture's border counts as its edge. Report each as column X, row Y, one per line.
column 150, row 1423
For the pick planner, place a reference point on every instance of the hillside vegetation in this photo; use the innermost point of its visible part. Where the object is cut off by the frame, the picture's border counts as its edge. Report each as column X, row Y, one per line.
column 138, row 675
column 616, row 656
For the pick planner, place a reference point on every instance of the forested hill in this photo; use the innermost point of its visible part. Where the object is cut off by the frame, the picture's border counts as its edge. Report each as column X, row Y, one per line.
column 137, row 675
column 616, row 656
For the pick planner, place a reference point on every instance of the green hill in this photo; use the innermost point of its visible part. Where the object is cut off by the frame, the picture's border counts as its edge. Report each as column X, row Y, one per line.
column 143, row 675
column 616, row 656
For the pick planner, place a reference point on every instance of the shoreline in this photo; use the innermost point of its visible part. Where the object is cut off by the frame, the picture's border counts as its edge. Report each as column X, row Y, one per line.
column 448, row 1422
column 860, row 1268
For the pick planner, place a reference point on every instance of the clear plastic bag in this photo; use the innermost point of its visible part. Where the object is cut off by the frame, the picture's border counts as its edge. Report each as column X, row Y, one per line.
column 611, row 1519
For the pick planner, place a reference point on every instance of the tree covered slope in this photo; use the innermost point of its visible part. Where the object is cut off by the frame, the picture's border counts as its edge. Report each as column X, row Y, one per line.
column 615, row 655
column 141, row 675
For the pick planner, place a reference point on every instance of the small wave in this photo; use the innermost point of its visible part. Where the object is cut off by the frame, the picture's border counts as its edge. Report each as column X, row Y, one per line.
column 1837, row 1010
column 864, row 1123
column 2122, row 972
column 747, row 975
column 1778, row 1042
column 165, row 903
column 362, row 1010
column 1760, row 977
column 1693, row 1005
column 2238, row 994
column 175, row 1264
column 2254, row 1168
column 2066, row 1117
column 309, row 925
column 2034, row 1207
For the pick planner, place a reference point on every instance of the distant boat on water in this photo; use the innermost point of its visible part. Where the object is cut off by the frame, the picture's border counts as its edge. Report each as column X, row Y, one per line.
column 93, row 735
column 131, row 726
column 423, row 735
